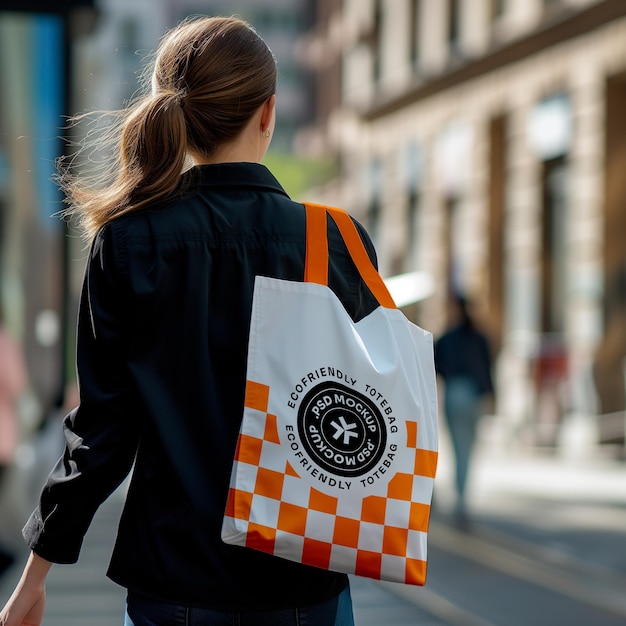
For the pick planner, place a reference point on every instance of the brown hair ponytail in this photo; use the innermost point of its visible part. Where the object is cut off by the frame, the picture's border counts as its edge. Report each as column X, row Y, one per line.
column 209, row 77
column 154, row 145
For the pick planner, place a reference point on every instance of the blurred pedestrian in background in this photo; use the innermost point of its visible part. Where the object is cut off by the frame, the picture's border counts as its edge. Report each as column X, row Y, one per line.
column 12, row 383
column 188, row 220
column 463, row 361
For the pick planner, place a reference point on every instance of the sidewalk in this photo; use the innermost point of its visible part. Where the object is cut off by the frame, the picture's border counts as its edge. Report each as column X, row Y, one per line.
column 572, row 507
column 553, row 520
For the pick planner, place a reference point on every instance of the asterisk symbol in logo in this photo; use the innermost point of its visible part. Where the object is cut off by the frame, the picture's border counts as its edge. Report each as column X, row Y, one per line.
column 344, row 429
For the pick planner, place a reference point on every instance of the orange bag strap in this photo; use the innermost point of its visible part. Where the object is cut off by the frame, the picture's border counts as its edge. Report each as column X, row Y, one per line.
column 316, row 259
column 316, row 262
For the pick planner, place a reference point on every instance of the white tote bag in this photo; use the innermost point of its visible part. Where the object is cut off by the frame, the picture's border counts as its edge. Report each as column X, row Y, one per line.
column 338, row 445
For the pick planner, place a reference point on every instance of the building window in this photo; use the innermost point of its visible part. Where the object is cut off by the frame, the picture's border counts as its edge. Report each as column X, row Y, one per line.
column 413, row 210
column 554, row 248
column 454, row 26
column 412, row 169
column 373, row 217
column 497, row 201
column 377, row 40
column 414, row 33
column 375, row 193
column 610, row 356
column 496, row 9
column 452, row 245
column 552, row 8
column 550, row 127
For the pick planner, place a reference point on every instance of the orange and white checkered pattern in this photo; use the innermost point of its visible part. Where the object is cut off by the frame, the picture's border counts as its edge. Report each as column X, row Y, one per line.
column 272, row 509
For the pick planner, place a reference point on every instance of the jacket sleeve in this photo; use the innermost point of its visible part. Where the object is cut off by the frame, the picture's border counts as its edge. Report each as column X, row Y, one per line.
column 101, row 434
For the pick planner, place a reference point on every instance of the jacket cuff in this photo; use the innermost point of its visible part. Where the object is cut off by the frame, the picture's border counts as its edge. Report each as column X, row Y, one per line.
column 35, row 536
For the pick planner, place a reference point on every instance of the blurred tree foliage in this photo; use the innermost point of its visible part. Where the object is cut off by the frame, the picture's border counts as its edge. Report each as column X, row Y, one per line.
column 298, row 174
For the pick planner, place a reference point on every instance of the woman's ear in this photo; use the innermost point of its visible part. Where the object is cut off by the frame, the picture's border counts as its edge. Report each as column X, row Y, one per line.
column 267, row 113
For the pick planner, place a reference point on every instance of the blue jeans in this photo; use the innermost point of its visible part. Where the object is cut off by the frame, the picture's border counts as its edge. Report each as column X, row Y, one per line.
column 141, row 611
column 462, row 405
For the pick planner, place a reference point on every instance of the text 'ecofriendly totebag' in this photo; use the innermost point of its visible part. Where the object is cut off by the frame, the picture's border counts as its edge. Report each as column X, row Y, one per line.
column 338, row 446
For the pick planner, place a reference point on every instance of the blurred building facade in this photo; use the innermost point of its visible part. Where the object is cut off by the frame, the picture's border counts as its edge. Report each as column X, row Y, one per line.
column 482, row 141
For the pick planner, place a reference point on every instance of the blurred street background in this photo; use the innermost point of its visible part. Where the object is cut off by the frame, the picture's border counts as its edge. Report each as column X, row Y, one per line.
column 482, row 143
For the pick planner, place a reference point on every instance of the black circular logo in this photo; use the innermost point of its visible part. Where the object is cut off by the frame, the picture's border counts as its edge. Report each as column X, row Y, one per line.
column 342, row 430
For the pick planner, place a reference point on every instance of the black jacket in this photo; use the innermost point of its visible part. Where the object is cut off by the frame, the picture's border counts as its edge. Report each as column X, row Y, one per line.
column 162, row 340
column 463, row 352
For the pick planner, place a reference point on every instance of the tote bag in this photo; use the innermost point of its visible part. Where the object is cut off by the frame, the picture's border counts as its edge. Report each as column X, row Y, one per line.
column 337, row 450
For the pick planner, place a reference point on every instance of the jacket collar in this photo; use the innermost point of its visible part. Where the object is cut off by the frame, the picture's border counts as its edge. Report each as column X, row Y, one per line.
column 251, row 175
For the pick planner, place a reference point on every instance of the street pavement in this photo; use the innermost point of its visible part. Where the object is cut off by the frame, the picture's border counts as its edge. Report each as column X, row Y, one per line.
column 546, row 544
